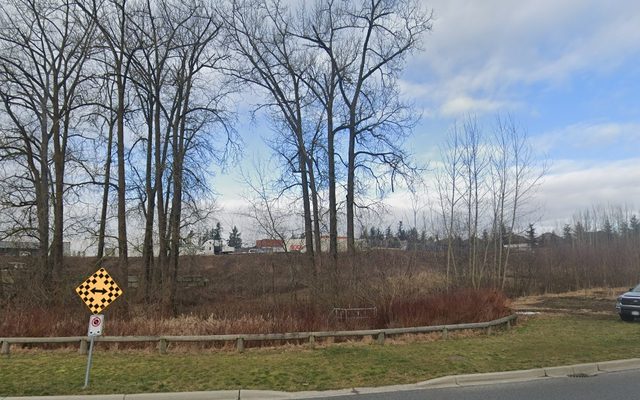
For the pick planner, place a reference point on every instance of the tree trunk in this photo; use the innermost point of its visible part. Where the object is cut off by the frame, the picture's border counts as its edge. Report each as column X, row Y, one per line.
column 351, row 177
column 123, row 257
column 58, row 204
column 303, row 160
column 147, row 246
column 105, row 195
column 316, row 218
column 42, row 195
column 333, row 205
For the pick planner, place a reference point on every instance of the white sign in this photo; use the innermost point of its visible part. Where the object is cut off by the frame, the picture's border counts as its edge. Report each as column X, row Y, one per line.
column 96, row 322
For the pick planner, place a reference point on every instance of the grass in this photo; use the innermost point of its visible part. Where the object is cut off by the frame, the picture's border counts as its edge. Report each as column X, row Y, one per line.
column 536, row 342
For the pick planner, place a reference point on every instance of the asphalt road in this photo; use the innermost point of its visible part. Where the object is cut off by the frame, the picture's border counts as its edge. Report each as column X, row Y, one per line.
column 609, row 386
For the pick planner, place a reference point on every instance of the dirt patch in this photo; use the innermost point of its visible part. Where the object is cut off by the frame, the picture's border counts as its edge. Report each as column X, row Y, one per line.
column 596, row 300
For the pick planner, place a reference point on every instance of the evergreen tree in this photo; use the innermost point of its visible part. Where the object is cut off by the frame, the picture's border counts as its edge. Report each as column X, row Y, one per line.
column 413, row 237
column 634, row 224
column 387, row 234
column 401, row 235
column 566, row 232
column 235, row 240
column 531, row 236
column 216, row 233
column 373, row 237
column 624, row 229
column 579, row 231
column 364, row 234
column 608, row 229
column 379, row 237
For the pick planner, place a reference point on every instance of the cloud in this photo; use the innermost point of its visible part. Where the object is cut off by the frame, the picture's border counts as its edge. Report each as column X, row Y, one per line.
column 591, row 135
column 489, row 49
column 577, row 186
column 464, row 105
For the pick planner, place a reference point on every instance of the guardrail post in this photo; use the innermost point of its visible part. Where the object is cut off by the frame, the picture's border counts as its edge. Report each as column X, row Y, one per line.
column 5, row 348
column 83, row 347
column 508, row 325
column 312, row 340
column 380, row 339
column 162, row 346
column 489, row 330
column 240, row 345
column 445, row 333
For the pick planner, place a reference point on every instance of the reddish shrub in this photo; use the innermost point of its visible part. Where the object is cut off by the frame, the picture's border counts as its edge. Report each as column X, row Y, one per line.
column 460, row 306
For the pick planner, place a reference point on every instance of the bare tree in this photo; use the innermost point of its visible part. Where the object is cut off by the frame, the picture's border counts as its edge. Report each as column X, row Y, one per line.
column 44, row 49
column 474, row 166
column 105, row 118
column 198, row 109
column 111, row 18
column 447, row 186
column 516, row 175
column 259, row 31
column 380, row 34
column 155, row 29
column 264, row 204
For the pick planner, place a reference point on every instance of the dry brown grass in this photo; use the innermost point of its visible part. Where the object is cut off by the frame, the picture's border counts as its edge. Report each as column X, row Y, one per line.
column 599, row 300
column 257, row 293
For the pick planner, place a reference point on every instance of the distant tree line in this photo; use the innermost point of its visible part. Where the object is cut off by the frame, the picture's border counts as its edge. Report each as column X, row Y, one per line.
column 401, row 238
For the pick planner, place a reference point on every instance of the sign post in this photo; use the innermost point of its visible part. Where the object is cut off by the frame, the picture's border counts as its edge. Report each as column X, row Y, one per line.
column 96, row 323
column 97, row 293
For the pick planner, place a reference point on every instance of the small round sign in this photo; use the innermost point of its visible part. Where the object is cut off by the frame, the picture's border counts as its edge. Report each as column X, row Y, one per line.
column 96, row 323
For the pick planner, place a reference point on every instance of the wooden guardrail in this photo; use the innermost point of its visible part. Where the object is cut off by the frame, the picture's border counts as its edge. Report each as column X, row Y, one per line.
column 240, row 339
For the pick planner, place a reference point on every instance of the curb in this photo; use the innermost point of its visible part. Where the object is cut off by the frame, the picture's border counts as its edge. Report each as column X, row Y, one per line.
column 588, row 369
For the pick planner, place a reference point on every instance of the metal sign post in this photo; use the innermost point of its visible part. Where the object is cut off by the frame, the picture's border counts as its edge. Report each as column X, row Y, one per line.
column 96, row 323
column 97, row 293
column 86, row 374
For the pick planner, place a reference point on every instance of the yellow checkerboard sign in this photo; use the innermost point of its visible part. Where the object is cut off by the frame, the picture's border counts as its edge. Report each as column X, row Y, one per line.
column 98, row 291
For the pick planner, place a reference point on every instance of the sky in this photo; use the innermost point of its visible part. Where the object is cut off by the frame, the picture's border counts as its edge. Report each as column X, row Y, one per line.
column 567, row 71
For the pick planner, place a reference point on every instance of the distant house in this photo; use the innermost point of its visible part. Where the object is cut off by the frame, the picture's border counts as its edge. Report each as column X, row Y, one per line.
column 300, row 245
column 518, row 246
column 548, row 238
column 297, row 245
column 214, row 247
column 269, row 246
column 207, row 248
column 518, row 243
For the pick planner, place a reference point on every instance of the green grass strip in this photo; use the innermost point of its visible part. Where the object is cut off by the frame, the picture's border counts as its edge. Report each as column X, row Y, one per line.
column 537, row 342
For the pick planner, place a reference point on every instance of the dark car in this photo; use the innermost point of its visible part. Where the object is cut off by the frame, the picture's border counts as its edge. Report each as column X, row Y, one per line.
column 628, row 304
